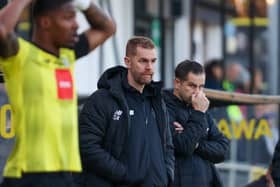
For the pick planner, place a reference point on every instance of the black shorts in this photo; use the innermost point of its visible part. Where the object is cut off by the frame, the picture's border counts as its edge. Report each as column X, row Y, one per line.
column 52, row 179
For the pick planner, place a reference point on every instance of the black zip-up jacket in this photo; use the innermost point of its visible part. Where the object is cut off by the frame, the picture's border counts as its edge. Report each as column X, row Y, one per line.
column 104, row 124
column 197, row 148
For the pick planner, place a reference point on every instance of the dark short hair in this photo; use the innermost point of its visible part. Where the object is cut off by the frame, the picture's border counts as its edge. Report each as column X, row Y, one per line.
column 187, row 66
column 138, row 41
column 41, row 7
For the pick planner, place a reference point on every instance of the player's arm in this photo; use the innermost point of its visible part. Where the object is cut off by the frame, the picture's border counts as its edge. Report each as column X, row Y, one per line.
column 101, row 25
column 9, row 16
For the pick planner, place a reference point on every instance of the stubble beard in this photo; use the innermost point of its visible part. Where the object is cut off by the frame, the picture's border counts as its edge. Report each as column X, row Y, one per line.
column 142, row 80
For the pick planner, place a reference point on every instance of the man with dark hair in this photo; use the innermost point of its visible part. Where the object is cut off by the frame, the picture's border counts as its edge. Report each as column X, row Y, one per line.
column 40, row 86
column 197, row 141
column 124, row 133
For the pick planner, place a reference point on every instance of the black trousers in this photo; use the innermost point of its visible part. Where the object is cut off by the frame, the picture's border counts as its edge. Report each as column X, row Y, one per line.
column 51, row 179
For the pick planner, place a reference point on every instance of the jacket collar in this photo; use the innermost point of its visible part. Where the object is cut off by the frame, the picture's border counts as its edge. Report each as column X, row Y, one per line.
column 171, row 98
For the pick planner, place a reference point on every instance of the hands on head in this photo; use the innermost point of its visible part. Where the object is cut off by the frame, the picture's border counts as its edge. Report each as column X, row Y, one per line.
column 82, row 4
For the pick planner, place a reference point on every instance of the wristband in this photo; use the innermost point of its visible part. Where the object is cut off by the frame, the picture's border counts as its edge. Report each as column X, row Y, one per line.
column 82, row 4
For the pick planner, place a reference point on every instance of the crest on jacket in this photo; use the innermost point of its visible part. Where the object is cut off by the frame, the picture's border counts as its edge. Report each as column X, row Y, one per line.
column 117, row 115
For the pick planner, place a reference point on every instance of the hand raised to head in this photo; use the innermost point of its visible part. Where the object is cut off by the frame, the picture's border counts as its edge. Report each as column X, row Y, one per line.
column 200, row 102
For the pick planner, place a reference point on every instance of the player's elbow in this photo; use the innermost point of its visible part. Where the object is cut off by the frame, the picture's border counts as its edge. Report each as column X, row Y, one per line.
column 111, row 28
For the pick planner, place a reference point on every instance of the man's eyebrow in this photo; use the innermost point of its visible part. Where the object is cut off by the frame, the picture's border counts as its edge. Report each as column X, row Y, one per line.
column 192, row 83
column 147, row 59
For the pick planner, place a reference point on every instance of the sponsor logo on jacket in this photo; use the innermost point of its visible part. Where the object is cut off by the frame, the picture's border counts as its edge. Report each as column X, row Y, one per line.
column 117, row 115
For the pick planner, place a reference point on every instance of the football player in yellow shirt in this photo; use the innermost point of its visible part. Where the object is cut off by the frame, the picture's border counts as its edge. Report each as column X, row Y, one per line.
column 39, row 80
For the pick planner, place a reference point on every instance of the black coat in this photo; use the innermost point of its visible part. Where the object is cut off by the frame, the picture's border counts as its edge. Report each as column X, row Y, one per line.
column 275, row 172
column 103, row 128
column 194, row 166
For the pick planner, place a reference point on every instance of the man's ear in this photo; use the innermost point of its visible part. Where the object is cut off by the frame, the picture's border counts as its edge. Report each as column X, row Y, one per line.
column 127, row 61
column 176, row 83
column 44, row 22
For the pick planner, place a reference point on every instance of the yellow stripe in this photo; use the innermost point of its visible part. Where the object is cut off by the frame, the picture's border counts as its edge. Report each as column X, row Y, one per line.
column 247, row 21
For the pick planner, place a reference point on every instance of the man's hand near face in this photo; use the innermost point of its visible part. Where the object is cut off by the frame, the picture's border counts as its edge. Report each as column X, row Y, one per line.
column 200, row 102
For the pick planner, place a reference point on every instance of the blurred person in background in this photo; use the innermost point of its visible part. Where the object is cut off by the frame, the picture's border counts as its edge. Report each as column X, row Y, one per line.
column 259, row 85
column 39, row 79
column 214, row 80
column 231, row 83
column 233, row 71
column 272, row 177
column 265, row 180
column 214, row 74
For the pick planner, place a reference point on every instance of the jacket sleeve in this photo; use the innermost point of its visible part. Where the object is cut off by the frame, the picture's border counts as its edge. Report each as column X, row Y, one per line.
column 170, row 158
column 194, row 128
column 92, row 130
column 215, row 146
column 275, row 167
